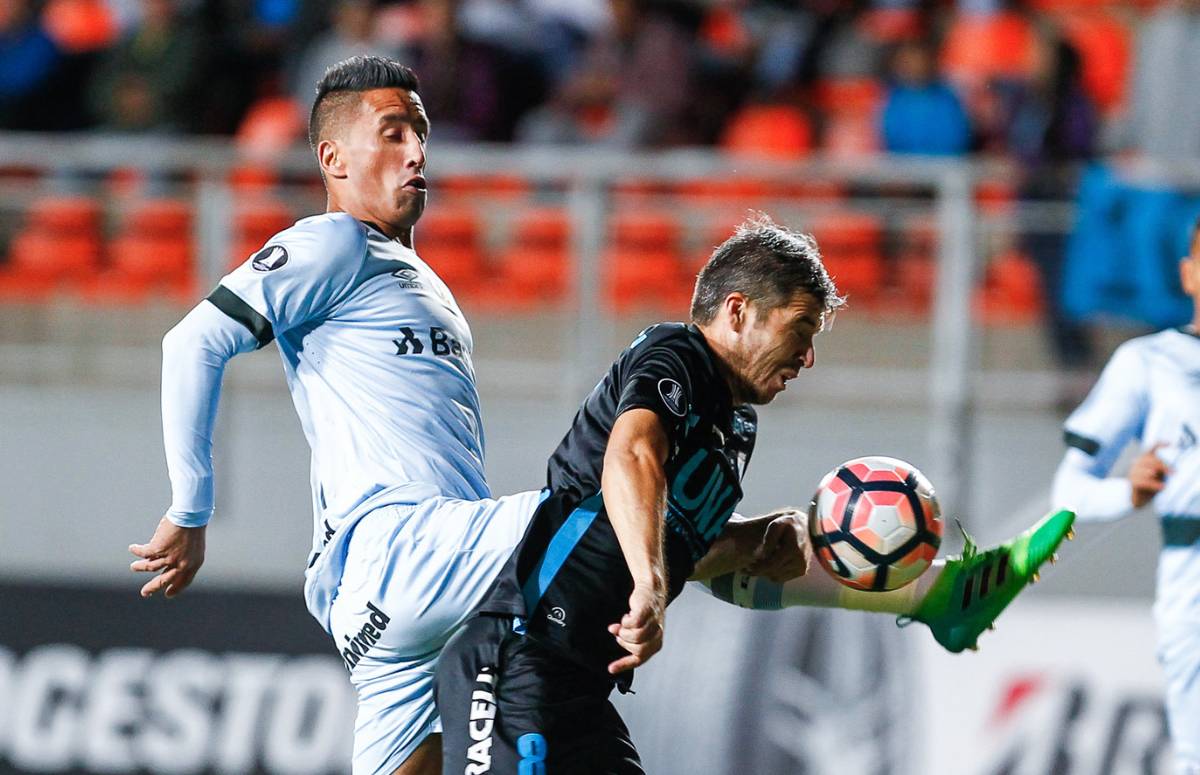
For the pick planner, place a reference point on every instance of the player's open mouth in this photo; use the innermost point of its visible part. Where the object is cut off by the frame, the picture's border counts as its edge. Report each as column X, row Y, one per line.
column 416, row 184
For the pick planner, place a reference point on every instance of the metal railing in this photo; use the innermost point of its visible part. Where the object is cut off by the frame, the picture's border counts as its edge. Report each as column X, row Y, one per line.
column 589, row 178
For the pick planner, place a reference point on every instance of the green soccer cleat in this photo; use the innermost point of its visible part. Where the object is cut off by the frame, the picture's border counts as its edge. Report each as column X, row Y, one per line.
column 975, row 587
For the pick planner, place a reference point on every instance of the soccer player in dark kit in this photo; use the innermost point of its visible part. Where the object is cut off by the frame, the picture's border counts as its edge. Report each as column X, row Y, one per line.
column 639, row 499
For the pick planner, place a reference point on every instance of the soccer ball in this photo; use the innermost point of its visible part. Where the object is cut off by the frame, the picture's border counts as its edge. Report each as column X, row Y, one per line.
column 875, row 523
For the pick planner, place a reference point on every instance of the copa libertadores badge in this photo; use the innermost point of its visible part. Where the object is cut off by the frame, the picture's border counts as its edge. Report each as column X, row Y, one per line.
column 672, row 396
column 269, row 258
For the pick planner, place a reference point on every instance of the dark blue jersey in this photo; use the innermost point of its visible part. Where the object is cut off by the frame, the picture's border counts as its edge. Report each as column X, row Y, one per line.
column 568, row 580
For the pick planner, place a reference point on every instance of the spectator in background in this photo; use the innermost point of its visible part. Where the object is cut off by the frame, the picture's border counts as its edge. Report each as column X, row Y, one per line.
column 633, row 85
column 473, row 88
column 28, row 59
column 351, row 33
column 921, row 112
column 1049, row 125
column 149, row 80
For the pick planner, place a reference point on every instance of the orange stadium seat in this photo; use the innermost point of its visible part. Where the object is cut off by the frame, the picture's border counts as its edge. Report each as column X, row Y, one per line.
column 643, row 269
column 490, row 186
column 1104, row 43
column 890, row 25
column 980, row 46
column 1011, row 291
column 80, row 26
column 59, row 246
column 256, row 220
column 530, row 279
column 151, row 255
column 851, row 245
column 271, row 125
column 533, row 269
column 450, row 243
column 777, row 131
column 855, row 96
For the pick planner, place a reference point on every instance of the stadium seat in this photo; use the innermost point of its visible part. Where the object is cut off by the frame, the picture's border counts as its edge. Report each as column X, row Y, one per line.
column 853, row 96
column 644, row 268
column 723, row 31
column 1011, row 291
column 851, row 136
column 850, row 243
column 994, row 196
column 449, row 240
column 256, row 220
column 1104, row 43
column 533, row 271
column 979, row 46
column 777, row 131
column 80, row 26
column 490, row 186
column 890, row 25
column 271, row 125
column 151, row 256
column 59, row 246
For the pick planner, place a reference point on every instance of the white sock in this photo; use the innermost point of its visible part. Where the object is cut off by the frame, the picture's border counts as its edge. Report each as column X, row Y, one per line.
column 819, row 589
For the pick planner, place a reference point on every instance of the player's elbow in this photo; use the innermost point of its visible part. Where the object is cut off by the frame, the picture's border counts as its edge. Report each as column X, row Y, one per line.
column 174, row 341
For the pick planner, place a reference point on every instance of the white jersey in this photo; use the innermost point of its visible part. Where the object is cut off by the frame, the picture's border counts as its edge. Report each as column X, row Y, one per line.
column 1149, row 393
column 377, row 356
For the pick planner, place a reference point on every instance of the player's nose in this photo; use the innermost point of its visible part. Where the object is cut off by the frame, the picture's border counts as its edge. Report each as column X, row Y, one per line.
column 416, row 157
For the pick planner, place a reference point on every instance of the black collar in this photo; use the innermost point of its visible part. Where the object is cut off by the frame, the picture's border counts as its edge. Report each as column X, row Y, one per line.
column 715, row 374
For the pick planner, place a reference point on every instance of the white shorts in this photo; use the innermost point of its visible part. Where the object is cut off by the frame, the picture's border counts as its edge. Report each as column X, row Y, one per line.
column 413, row 573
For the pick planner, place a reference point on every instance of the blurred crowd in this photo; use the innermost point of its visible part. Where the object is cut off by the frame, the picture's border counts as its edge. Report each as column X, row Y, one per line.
column 1042, row 81
column 1047, row 84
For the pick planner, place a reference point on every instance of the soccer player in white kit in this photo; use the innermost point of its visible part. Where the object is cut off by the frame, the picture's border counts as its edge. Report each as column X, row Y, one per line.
column 1149, row 394
column 377, row 357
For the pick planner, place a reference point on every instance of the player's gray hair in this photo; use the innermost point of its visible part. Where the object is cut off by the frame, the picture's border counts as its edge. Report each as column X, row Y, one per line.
column 768, row 263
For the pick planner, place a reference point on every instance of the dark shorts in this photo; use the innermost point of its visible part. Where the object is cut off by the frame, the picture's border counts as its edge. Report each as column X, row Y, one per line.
column 510, row 706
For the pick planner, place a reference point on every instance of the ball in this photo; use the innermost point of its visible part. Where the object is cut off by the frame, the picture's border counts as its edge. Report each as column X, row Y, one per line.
column 875, row 523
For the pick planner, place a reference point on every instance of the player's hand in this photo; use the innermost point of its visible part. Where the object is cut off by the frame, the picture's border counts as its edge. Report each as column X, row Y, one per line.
column 174, row 553
column 1148, row 475
column 784, row 552
column 640, row 632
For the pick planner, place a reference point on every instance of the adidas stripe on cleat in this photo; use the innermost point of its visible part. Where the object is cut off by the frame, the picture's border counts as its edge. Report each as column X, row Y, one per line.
column 975, row 587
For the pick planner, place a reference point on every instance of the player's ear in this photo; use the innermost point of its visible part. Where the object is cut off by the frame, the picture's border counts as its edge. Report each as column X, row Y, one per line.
column 329, row 155
column 735, row 307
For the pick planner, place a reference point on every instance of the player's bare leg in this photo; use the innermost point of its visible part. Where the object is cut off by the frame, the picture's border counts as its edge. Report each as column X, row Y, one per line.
column 426, row 758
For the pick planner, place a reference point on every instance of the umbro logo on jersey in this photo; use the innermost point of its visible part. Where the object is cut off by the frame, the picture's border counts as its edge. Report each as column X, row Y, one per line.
column 558, row 616
column 269, row 258
column 672, row 396
column 407, row 275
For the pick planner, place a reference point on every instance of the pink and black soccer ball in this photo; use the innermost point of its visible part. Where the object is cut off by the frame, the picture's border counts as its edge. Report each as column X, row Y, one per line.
column 875, row 523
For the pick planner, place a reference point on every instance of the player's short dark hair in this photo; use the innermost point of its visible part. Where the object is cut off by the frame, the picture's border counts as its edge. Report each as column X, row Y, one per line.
column 768, row 263
column 344, row 80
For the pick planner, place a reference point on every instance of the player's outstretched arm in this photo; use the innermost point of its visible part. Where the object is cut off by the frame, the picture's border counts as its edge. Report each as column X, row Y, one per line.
column 635, row 496
column 773, row 546
column 194, row 356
